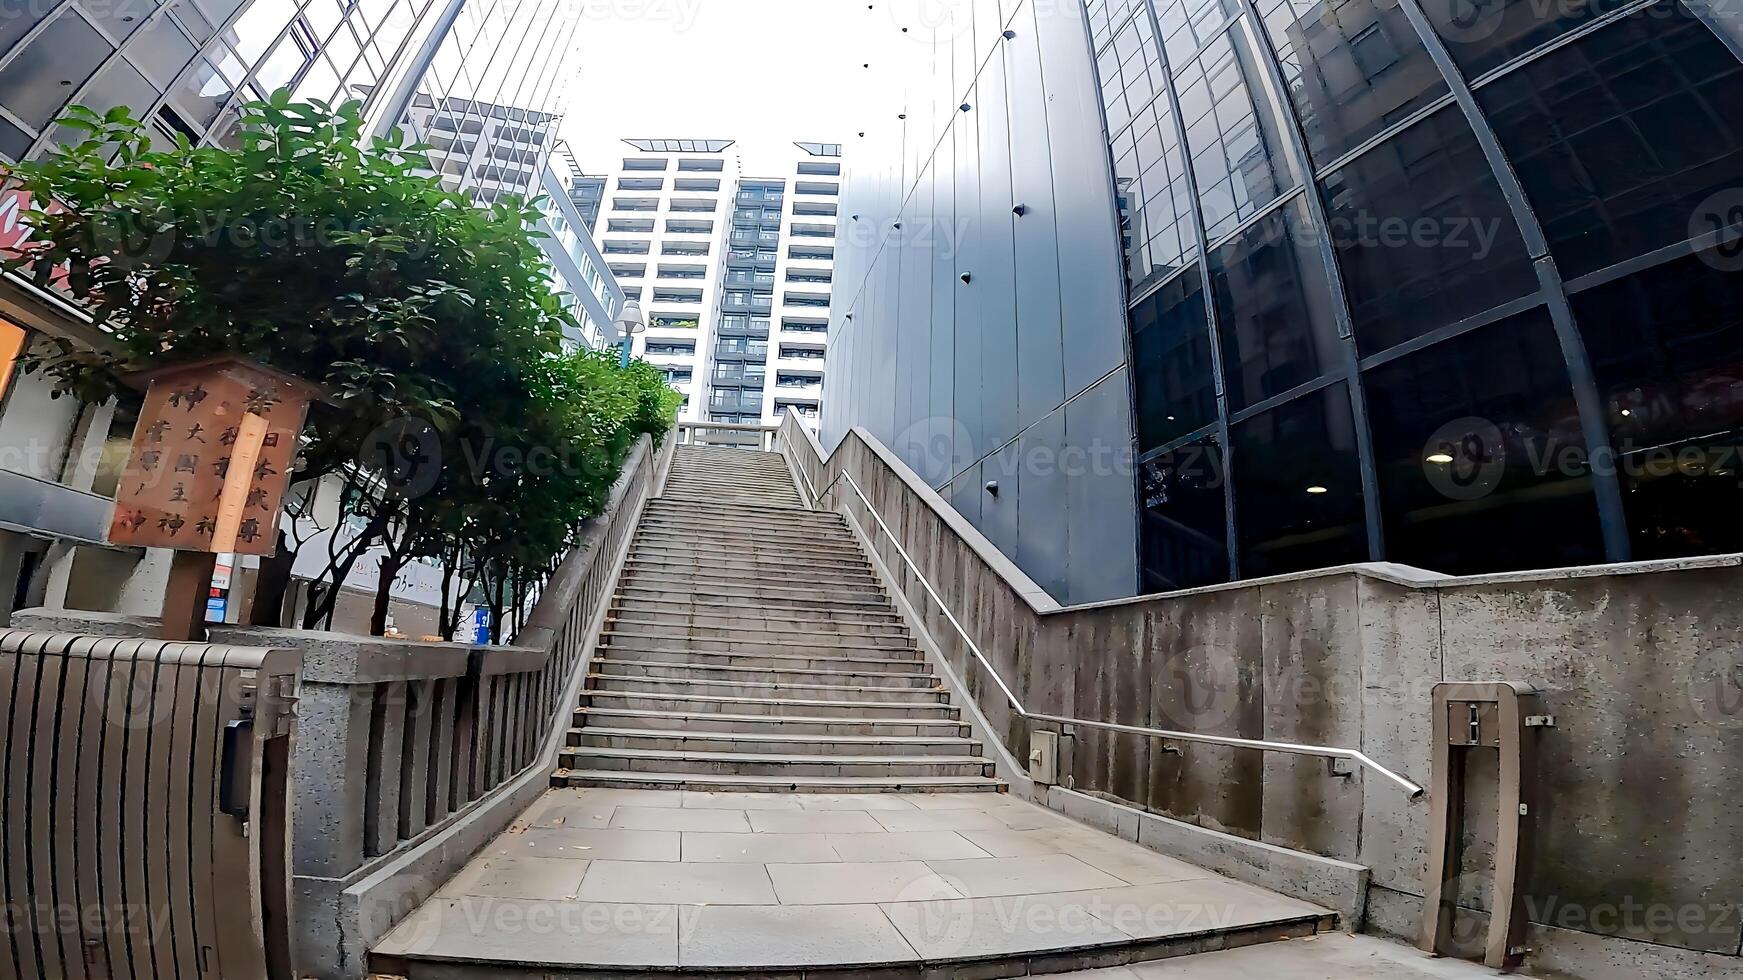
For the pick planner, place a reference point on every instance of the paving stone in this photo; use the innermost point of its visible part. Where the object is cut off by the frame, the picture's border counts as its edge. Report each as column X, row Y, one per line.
column 859, row 801
column 992, row 877
column 814, row 822
column 739, row 801
column 785, row 936
column 1198, row 905
column 680, row 883
column 1334, row 956
column 539, row 933
column 515, row 876
column 850, row 883
column 589, row 845
column 1006, row 842
column 900, row 821
column 672, row 818
column 933, row 845
column 753, row 848
column 988, row 927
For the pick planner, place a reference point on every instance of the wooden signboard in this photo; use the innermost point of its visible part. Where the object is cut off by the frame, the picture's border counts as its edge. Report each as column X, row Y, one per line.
column 212, row 458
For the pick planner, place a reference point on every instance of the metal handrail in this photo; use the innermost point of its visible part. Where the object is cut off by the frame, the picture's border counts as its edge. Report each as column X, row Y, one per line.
column 1291, row 748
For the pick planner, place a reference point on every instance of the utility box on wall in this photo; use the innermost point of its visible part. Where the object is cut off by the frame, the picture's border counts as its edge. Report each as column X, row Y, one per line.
column 1044, row 756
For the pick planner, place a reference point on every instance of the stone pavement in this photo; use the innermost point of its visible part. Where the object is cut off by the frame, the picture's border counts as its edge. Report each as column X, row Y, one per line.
column 1329, row 957
column 664, row 879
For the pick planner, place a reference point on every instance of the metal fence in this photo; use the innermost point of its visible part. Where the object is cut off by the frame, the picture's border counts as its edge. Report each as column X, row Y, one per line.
column 144, row 829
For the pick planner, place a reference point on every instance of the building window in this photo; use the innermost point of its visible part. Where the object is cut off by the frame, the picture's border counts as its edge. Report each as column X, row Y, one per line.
column 1479, row 455
column 1173, row 381
column 1620, row 135
column 1298, row 486
column 1667, row 347
column 1232, row 137
column 1422, row 234
column 1274, row 308
column 1185, row 520
column 1351, row 70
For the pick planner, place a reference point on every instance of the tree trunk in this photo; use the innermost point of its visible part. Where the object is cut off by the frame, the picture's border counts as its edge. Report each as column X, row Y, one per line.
column 271, row 585
column 390, row 568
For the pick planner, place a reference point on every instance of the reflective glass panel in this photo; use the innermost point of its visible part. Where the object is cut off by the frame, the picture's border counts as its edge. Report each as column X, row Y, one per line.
column 1172, row 379
column 1484, row 34
column 1352, row 69
column 40, row 79
column 1298, row 486
column 1619, row 136
column 1422, row 233
column 1185, row 523
column 1480, row 458
column 1274, row 310
column 1154, row 198
column 120, row 18
column 1667, row 347
column 1233, row 140
column 1187, row 25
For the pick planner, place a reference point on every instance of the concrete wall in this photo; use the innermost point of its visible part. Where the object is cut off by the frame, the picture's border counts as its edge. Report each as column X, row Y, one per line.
column 1017, row 375
column 1638, row 869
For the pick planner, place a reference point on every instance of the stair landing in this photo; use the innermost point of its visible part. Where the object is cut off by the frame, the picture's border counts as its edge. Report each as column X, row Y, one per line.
column 650, row 883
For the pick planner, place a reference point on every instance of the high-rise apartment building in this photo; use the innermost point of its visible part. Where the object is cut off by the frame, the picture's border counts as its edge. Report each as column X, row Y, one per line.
column 735, row 272
column 1212, row 289
column 481, row 82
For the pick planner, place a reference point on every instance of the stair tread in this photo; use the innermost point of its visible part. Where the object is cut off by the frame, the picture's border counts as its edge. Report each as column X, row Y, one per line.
column 798, row 739
column 952, row 722
column 808, row 644
column 709, row 652
column 769, row 685
column 773, row 757
column 611, row 661
column 726, row 699
column 892, row 782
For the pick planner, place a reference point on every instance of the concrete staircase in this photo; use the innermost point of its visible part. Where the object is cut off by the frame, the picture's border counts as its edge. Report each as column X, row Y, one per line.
column 751, row 647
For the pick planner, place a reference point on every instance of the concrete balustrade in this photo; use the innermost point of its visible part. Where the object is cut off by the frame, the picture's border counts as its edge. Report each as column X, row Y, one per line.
column 1638, row 663
column 410, row 756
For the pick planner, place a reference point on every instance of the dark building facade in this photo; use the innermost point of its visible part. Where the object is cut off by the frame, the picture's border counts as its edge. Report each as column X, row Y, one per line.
column 1454, row 286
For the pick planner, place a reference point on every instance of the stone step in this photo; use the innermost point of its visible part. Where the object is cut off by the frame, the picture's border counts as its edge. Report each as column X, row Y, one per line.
column 770, row 594
column 770, row 707
column 616, row 639
column 797, row 579
column 770, row 661
column 722, row 509
column 737, row 599
column 660, row 611
column 738, row 625
column 731, row 535
column 840, row 578
column 827, row 677
column 683, row 483
column 795, row 548
column 888, row 636
column 622, row 716
column 702, row 499
column 784, row 743
column 764, row 689
column 778, row 520
column 697, row 518
column 694, row 762
column 692, row 555
column 771, row 784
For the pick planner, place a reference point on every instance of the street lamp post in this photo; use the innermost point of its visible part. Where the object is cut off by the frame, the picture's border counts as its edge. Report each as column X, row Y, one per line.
column 630, row 322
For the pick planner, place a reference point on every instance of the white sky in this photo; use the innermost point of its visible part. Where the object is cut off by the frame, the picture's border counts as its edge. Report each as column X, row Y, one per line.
column 764, row 72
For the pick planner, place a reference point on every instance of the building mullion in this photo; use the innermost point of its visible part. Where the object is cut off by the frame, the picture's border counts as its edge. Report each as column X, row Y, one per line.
column 1295, row 145
column 1594, row 428
column 1230, row 528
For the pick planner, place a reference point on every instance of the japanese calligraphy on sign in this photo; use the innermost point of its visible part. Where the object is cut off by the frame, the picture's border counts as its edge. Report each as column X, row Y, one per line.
column 212, row 457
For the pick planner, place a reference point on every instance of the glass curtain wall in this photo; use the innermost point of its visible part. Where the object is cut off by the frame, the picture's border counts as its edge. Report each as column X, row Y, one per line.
column 1458, row 289
column 491, row 97
column 187, row 65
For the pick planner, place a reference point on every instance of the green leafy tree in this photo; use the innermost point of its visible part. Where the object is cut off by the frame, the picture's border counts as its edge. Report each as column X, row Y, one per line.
column 341, row 260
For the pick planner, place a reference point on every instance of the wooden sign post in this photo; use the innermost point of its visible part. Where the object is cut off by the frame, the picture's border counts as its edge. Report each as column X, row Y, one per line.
column 212, row 458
